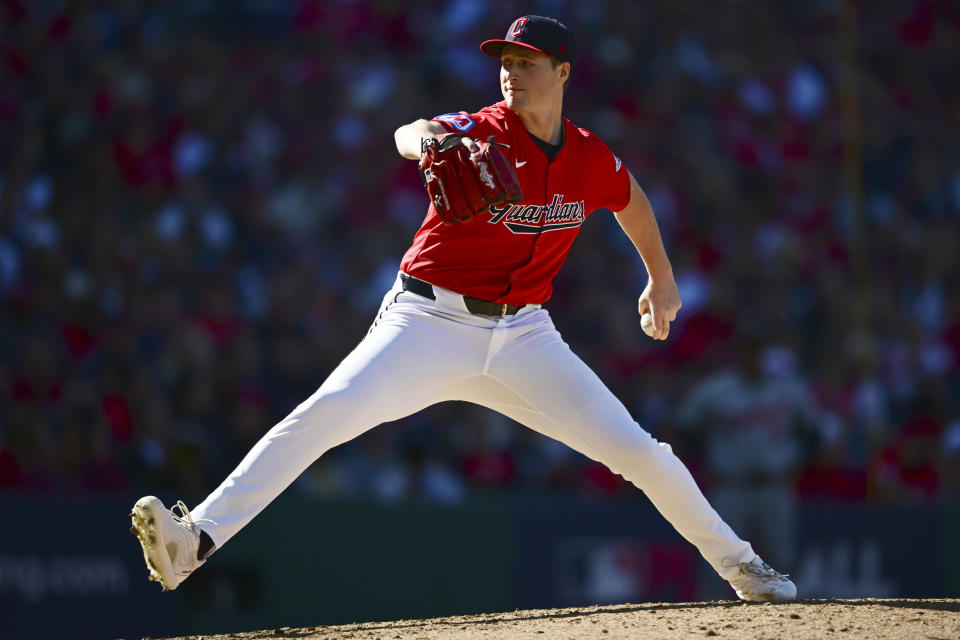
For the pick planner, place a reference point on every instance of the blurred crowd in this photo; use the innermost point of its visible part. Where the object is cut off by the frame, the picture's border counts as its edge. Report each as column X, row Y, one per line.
column 201, row 207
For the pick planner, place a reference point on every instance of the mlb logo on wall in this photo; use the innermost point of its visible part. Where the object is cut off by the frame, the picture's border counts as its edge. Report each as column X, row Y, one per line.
column 461, row 121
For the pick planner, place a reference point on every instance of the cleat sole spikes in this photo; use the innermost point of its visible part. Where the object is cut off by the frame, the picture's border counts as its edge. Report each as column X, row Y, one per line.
column 169, row 541
column 153, row 554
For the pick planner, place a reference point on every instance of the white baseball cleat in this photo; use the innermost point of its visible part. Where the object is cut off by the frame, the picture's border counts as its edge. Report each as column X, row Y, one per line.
column 169, row 541
column 756, row 580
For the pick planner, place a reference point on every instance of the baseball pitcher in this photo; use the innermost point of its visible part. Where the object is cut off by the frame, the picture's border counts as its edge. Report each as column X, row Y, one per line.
column 510, row 186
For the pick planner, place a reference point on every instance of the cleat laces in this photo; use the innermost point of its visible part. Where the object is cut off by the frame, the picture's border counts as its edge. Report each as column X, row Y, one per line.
column 760, row 570
column 185, row 518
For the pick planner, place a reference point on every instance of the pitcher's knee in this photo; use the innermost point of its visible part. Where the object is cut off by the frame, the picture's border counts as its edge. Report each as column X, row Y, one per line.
column 636, row 453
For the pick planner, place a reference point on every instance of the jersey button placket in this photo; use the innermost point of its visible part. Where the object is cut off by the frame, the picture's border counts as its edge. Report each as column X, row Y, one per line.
column 548, row 182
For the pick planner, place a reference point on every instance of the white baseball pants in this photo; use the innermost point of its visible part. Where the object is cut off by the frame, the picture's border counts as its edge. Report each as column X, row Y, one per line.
column 420, row 352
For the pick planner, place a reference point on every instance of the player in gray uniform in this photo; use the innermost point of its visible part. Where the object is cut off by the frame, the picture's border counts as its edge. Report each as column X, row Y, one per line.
column 752, row 425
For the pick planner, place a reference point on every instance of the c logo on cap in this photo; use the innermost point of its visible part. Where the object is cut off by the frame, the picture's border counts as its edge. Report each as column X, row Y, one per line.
column 517, row 29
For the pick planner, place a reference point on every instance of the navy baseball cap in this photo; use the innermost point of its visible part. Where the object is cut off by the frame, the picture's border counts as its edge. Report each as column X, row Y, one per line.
column 546, row 35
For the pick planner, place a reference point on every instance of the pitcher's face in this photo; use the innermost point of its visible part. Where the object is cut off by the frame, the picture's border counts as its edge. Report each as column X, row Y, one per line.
column 528, row 78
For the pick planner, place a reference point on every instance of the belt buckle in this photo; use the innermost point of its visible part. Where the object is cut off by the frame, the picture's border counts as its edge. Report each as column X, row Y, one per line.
column 503, row 310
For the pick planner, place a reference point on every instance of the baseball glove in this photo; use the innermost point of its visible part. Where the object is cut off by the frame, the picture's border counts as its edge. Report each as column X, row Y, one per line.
column 460, row 183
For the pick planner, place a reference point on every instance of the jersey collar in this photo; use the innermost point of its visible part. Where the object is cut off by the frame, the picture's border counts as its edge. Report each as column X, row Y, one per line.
column 510, row 113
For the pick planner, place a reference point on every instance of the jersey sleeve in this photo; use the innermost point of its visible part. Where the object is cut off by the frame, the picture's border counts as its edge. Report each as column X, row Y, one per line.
column 475, row 125
column 610, row 177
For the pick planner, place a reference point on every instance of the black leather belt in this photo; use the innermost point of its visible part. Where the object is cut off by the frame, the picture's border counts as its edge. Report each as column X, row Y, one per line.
column 475, row 306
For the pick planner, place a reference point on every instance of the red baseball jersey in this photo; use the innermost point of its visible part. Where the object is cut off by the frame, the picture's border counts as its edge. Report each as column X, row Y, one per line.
column 510, row 254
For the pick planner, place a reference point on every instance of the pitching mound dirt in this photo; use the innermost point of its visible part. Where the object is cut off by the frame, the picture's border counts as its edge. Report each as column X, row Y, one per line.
column 813, row 619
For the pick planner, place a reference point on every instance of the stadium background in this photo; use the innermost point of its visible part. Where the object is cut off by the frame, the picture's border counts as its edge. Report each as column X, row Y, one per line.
column 200, row 207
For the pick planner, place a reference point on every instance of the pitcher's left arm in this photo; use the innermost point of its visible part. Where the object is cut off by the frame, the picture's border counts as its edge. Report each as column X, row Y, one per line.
column 661, row 296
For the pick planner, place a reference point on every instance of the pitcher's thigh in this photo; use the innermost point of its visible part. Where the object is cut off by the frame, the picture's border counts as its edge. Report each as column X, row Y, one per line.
column 398, row 368
column 489, row 392
column 572, row 399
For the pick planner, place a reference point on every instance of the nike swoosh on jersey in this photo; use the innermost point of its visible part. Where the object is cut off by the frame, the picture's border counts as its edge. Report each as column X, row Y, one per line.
column 519, row 164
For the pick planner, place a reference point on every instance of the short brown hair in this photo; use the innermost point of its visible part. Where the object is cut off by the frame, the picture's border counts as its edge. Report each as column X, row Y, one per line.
column 556, row 62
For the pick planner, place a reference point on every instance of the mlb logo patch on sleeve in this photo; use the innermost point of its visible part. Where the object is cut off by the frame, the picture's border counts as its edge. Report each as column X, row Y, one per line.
column 461, row 121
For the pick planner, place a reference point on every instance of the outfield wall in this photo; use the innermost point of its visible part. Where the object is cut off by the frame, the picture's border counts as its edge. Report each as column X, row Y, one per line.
column 70, row 568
